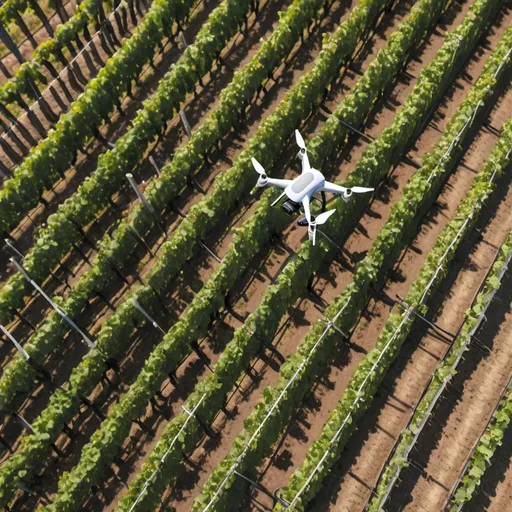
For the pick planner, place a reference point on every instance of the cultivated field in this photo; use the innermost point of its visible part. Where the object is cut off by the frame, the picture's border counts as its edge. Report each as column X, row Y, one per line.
column 186, row 347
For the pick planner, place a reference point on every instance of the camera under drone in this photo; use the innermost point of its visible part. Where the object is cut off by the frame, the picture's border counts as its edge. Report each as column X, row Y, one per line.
column 302, row 190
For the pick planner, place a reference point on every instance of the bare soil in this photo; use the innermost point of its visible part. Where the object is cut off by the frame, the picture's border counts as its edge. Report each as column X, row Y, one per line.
column 362, row 461
column 369, row 447
column 293, row 70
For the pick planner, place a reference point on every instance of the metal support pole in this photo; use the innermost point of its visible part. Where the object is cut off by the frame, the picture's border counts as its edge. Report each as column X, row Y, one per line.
column 202, row 244
column 258, row 486
column 153, row 163
column 61, row 312
column 19, row 348
column 18, row 253
column 139, row 239
column 145, row 202
column 186, row 124
column 147, row 315
column 421, row 317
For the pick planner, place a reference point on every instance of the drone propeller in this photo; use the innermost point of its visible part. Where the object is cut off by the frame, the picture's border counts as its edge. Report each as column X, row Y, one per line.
column 300, row 140
column 318, row 221
column 262, row 180
column 346, row 195
column 361, row 190
column 303, row 155
column 257, row 166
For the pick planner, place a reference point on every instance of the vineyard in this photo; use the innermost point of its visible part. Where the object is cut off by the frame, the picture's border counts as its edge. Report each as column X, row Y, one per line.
column 172, row 340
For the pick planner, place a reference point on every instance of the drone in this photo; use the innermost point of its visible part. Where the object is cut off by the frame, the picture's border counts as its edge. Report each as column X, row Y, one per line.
column 302, row 190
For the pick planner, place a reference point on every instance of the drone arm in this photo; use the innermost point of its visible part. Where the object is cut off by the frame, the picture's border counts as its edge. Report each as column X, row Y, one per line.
column 274, row 182
column 333, row 188
column 307, row 211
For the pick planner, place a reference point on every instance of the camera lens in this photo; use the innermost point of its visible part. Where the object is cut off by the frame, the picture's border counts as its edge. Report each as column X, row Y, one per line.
column 290, row 207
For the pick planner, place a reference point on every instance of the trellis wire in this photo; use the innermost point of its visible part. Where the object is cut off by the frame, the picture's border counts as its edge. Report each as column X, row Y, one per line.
column 40, row 94
column 468, row 122
column 452, row 369
column 239, row 459
column 406, row 317
column 391, row 454
column 501, row 272
column 164, row 457
column 354, row 403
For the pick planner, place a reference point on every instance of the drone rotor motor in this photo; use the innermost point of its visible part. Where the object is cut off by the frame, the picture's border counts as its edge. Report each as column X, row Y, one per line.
column 347, row 195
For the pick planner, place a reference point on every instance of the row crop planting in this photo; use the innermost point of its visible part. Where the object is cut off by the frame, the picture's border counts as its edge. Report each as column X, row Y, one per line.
column 29, row 73
column 193, row 324
column 52, row 156
column 481, row 458
column 261, row 325
column 93, row 194
column 115, row 333
column 326, row 450
column 266, row 421
column 117, row 248
column 469, row 209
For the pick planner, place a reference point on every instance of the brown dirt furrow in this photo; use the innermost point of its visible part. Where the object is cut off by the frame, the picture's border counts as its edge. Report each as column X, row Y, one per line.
column 358, row 470
column 309, row 420
column 195, row 274
column 462, row 414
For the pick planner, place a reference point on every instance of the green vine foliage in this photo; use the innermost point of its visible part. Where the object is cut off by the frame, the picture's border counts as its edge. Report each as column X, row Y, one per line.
column 386, row 248
column 492, row 438
column 223, row 22
column 80, row 209
column 10, row 9
column 106, row 442
column 55, row 241
column 18, row 375
column 262, row 324
column 356, row 292
column 477, row 195
column 29, row 71
column 53, row 155
column 115, row 333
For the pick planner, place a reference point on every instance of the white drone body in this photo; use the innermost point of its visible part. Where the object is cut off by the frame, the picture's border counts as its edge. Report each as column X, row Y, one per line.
column 301, row 191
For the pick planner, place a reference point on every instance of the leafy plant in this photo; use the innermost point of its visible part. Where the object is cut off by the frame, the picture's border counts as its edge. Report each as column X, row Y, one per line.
column 53, row 155
column 262, row 324
column 115, row 333
column 297, row 373
column 29, row 72
column 371, row 371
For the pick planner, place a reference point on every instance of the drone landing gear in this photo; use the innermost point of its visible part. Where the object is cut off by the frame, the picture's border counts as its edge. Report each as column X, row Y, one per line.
column 324, row 202
column 304, row 222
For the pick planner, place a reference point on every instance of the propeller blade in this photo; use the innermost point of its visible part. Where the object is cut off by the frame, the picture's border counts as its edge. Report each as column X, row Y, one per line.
column 257, row 166
column 361, row 190
column 300, row 140
column 314, row 234
column 322, row 218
